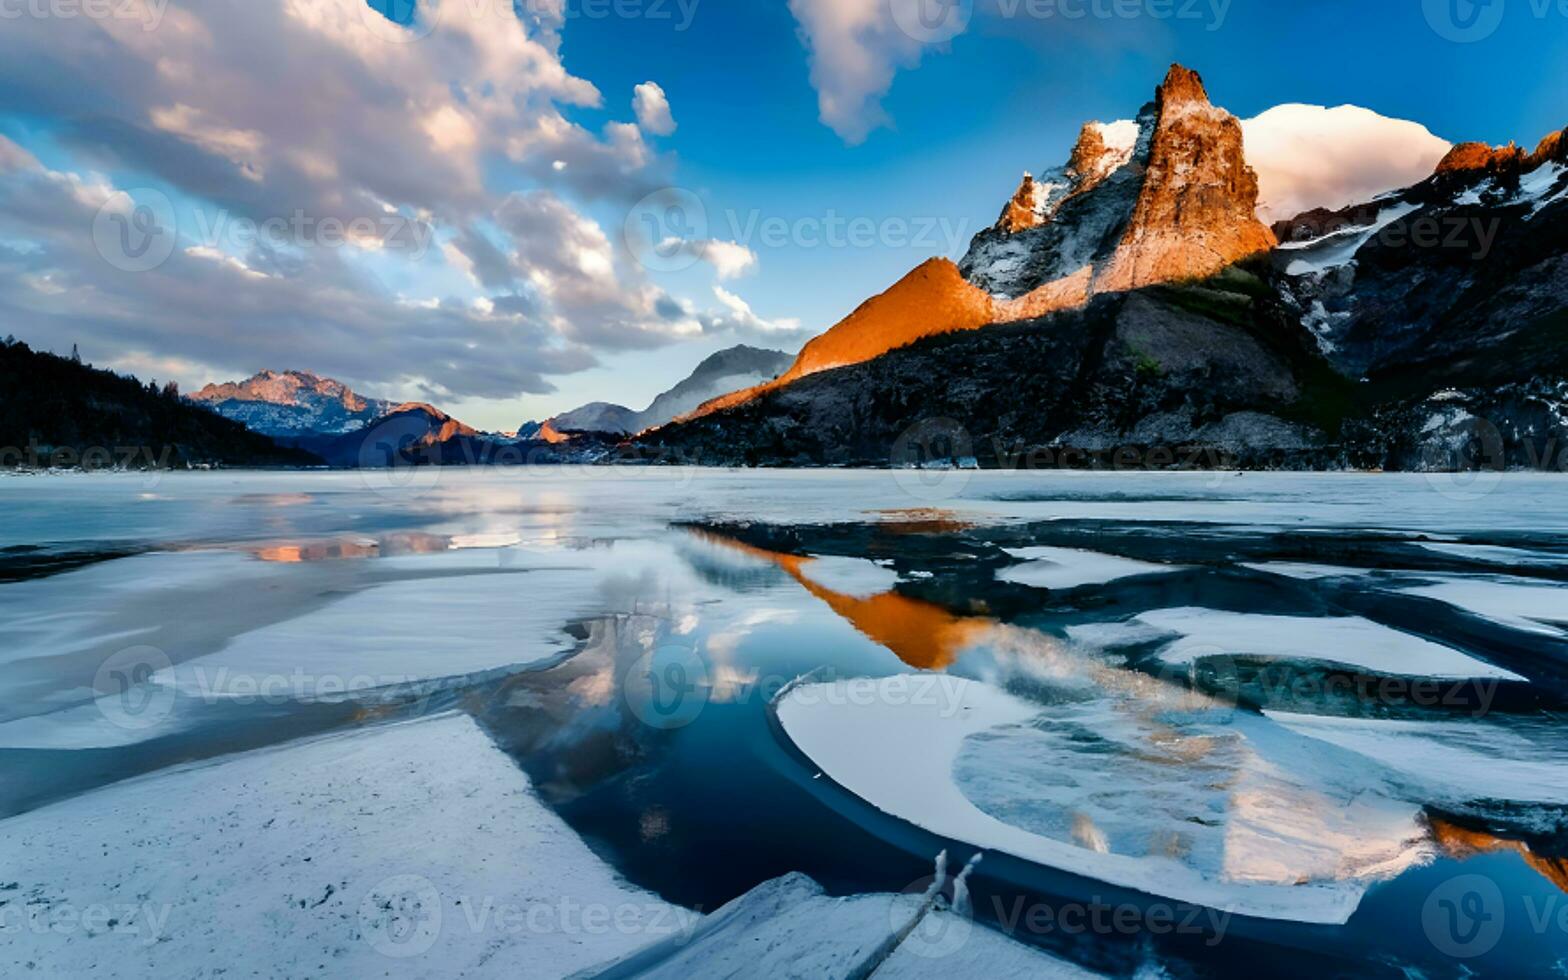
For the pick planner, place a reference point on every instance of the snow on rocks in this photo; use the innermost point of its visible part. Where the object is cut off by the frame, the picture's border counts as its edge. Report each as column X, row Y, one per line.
column 417, row 850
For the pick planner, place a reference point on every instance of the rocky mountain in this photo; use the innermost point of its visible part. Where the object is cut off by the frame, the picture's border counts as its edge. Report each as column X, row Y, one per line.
column 1163, row 198
column 728, row 370
column 293, row 403
column 56, row 411
column 413, row 433
column 1129, row 306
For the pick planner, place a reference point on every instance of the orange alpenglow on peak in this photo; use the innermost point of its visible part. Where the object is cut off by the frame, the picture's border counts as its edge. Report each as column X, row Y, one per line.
column 1164, row 198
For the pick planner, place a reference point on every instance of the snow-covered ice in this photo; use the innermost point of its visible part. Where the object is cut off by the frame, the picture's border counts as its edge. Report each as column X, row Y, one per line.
column 1346, row 641
column 1522, row 604
column 1070, row 568
column 425, row 630
column 1287, row 850
column 857, row 577
column 1453, row 762
column 415, row 850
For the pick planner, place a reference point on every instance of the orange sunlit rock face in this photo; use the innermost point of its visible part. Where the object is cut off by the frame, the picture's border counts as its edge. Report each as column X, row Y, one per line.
column 923, row 635
column 1459, row 842
column 1195, row 215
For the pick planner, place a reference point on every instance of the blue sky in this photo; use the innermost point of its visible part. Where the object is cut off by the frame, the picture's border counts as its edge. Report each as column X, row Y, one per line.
column 538, row 153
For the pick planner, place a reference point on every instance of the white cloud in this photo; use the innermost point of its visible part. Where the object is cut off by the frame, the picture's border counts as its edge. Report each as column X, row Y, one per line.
column 204, row 107
column 730, row 260
column 740, row 317
column 653, row 109
column 856, row 49
column 1310, row 156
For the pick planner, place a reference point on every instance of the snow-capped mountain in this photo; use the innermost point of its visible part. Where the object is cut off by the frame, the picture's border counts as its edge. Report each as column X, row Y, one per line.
column 1163, row 198
column 1132, row 299
column 726, row 371
column 292, row 404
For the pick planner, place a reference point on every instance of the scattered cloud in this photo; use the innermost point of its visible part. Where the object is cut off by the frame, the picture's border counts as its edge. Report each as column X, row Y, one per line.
column 1310, row 156
column 857, row 47
column 653, row 109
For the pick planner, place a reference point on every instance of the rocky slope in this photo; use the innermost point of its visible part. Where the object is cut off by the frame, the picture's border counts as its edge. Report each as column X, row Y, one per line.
column 292, row 403
column 1163, row 198
column 1425, row 330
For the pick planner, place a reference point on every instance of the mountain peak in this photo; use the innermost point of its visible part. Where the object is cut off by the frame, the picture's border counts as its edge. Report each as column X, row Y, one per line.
column 287, row 403
column 1182, row 86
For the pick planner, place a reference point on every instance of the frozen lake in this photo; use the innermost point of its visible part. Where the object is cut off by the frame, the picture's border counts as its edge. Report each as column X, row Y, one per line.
column 1314, row 717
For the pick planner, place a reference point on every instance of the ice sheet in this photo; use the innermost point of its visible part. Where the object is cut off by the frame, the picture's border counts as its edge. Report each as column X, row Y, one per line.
column 1523, row 604
column 900, row 753
column 415, row 850
column 1455, row 762
column 856, row 577
column 1070, row 568
column 1348, row 641
column 400, row 634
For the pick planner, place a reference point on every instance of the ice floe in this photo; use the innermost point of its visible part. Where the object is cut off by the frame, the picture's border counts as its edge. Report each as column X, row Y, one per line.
column 1347, row 641
column 858, row 578
column 1455, row 762
column 415, row 850
column 1519, row 603
column 1070, row 568
column 399, row 634
column 790, row 927
column 1267, row 829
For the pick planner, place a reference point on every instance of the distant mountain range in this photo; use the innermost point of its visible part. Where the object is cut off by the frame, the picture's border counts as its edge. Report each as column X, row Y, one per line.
column 728, row 370
column 328, row 419
column 1131, row 302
